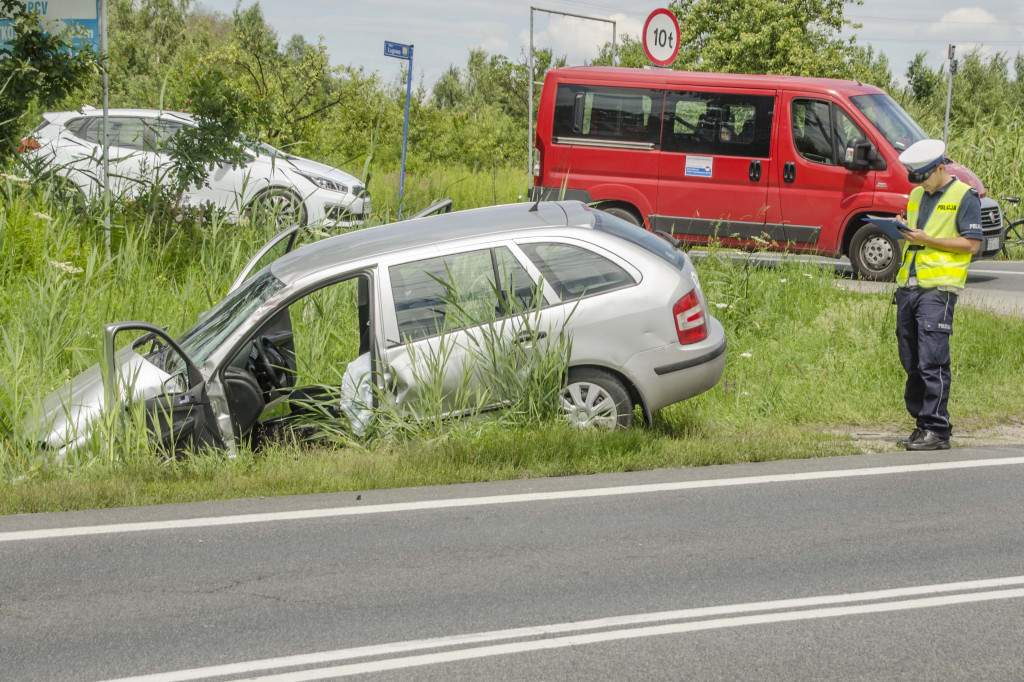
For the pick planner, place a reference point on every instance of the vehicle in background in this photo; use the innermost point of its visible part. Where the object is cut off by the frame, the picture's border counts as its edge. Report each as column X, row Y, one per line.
column 68, row 144
column 776, row 162
column 388, row 299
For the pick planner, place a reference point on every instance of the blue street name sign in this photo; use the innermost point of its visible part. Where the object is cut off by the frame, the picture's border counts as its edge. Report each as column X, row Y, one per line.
column 397, row 50
column 59, row 15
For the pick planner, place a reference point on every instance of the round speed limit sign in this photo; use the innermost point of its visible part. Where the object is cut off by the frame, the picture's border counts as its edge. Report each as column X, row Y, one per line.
column 661, row 37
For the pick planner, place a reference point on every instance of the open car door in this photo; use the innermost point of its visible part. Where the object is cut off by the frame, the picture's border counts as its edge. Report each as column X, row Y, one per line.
column 170, row 386
column 286, row 237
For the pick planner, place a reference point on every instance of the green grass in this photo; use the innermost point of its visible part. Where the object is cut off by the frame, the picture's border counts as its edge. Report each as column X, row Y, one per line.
column 806, row 360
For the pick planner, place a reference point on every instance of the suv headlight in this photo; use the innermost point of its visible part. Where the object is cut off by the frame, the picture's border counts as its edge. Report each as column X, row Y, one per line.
column 326, row 183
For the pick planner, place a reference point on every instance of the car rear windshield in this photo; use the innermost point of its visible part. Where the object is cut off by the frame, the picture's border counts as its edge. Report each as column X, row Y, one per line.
column 637, row 235
column 890, row 119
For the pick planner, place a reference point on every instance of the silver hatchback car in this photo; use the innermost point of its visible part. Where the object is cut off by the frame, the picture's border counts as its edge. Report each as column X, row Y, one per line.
column 371, row 310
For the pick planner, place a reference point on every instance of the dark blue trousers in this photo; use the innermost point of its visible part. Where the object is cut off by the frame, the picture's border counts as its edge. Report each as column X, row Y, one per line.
column 924, row 323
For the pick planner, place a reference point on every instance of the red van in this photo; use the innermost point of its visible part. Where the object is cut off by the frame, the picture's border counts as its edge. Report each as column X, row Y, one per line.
column 779, row 162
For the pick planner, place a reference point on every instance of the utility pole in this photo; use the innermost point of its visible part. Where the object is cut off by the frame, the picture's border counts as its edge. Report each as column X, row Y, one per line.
column 949, row 91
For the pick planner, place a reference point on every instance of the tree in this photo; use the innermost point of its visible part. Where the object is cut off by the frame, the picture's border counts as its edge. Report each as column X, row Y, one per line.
column 924, row 84
column 36, row 66
column 289, row 91
column 790, row 37
column 628, row 53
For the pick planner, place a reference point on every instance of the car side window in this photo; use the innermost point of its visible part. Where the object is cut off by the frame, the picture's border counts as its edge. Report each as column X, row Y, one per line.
column 165, row 132
column 440, row 294
column 575, row 272
column 78, row 127
column 516, row 288
column 812, row 130
column 458, row 291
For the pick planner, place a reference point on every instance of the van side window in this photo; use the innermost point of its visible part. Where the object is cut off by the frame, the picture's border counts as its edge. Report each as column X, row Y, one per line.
column 812, row 130
column 724, row 124
column 844, row 130
column 821, row 130
column 605, row 113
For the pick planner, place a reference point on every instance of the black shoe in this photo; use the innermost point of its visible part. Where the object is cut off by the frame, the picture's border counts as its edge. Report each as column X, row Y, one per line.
column 929, row 441
column 914, row 435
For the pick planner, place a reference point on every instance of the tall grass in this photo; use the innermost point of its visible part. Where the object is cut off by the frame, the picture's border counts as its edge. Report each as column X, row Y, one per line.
column 805, row 358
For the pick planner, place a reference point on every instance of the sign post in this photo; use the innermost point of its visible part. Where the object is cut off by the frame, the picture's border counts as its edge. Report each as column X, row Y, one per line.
column 400, row 51
column 661, row 37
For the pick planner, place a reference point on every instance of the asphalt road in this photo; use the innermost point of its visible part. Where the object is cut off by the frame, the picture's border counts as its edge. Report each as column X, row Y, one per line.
column 890, row 566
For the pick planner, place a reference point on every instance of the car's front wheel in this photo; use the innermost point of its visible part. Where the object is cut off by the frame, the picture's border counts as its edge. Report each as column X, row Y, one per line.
column 874, row 255
column 596, row 398
column 281, row 207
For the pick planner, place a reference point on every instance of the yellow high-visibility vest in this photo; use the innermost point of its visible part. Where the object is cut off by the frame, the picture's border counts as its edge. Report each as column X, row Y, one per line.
column 937, row 268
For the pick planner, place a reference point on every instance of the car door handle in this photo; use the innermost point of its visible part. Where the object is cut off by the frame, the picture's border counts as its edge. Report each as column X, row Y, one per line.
column 789, row 172
column 754, row 171
column 527, row 337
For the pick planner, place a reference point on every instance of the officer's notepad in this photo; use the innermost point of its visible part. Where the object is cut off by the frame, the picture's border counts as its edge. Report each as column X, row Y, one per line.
column 890, row 226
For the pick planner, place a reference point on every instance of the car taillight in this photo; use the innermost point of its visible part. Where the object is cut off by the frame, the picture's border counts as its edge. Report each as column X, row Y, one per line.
column 27, row 144
column 691, row 322
column 536, row 166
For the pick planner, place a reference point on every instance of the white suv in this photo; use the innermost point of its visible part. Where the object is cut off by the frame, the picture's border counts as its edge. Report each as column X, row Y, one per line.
column 68, row 143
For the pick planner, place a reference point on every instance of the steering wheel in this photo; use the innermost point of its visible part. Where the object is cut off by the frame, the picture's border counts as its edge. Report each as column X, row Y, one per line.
column 271, row 363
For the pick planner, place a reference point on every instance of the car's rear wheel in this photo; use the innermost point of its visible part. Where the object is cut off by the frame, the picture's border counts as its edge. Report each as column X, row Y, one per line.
column 279, row 206
column 874, row 255
column 596, row 398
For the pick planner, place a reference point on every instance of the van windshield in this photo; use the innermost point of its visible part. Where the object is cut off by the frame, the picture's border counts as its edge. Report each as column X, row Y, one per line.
column 889, row 119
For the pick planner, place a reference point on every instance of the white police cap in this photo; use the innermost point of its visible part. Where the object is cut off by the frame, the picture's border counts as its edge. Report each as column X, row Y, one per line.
column 922, row 155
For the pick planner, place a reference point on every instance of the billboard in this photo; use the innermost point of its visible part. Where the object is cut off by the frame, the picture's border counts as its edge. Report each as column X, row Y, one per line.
column 58, row 15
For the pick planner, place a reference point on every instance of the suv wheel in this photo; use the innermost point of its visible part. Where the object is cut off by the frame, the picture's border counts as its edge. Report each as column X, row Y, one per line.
column 279, row 206
column 874, row 255
column 595, row 398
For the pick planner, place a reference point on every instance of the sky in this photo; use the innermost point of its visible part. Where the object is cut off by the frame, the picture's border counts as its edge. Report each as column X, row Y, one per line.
column 444, row 31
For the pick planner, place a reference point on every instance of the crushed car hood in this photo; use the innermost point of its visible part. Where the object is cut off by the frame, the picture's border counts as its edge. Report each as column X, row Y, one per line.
column 71, row 410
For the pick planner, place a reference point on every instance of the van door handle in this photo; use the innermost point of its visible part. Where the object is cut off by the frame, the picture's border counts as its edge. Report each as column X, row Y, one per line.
column 754, row 171
column 789, row 172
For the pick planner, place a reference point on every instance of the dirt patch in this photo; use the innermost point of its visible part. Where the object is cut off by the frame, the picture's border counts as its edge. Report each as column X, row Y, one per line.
column 884, row 439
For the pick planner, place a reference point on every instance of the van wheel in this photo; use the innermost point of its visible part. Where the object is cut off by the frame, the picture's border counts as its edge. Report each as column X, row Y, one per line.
column 596, row 399
column 624, row 214
column 874, row 255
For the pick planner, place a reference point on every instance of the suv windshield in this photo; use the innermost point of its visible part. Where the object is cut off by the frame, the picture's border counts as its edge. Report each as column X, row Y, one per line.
column 889, row 119
column 207, row 334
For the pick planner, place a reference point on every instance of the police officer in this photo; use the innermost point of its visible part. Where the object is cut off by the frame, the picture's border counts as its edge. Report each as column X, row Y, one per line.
column 944, row 217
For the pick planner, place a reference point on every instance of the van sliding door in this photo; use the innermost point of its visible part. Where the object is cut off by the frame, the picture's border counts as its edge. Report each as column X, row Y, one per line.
column 716, row 165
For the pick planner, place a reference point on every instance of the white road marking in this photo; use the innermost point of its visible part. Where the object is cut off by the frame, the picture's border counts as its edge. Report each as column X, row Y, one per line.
column 270, row 517
column 705, row 618
column 1001, row 273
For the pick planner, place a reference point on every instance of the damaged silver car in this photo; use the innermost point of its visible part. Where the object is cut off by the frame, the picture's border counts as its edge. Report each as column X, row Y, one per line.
column 346, row 323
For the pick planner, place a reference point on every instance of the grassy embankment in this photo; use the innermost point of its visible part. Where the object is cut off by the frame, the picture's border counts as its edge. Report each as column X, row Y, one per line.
column 807, row 360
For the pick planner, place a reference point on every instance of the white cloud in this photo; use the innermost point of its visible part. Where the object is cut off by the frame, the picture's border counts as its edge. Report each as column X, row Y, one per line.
column 495, row 45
